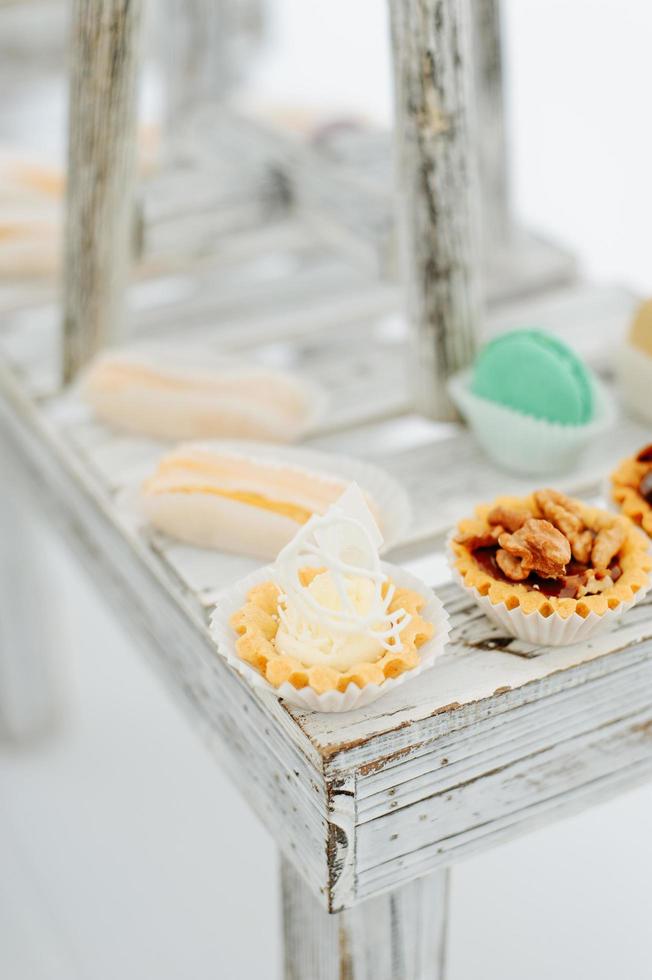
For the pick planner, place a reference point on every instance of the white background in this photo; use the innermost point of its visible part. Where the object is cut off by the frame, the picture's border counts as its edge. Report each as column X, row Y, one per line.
column 123, row 851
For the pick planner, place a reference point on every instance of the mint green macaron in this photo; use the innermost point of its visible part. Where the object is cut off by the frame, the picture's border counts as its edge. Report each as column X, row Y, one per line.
column 533, row 373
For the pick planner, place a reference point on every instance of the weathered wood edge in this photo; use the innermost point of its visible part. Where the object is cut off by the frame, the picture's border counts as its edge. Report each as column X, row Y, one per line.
column 277, row 770
column 342, row 757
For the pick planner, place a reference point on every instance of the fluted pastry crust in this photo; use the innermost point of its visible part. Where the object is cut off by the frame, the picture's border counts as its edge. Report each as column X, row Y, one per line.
column 625, row 481
column 633, row 559
column 257, row 622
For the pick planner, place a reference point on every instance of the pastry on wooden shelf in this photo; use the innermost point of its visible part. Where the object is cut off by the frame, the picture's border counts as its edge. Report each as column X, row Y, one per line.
column 548, row 568
column 251, row 499
column 531, row 402
column 631, row 488
column 168, row 393
column 634, row 364
column 328, row 626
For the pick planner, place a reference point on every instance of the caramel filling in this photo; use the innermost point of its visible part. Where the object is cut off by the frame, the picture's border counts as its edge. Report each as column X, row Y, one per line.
column 286, row 509
column 569, row 586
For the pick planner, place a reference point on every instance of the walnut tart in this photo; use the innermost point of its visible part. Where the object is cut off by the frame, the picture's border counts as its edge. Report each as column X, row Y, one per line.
column 550, row 569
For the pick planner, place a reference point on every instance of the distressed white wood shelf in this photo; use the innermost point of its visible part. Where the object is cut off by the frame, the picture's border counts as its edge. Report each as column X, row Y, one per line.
column 497, row 738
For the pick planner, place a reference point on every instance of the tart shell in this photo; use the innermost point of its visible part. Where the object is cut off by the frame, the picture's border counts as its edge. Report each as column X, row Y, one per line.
column 527, row 608
column 624, row 493
column 323, row 692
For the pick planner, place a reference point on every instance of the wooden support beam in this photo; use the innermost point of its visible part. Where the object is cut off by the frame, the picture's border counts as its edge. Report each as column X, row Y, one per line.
column 490, row 122
column 400, row 935
column 438, row 200
column 101, row 174
column 204, row 48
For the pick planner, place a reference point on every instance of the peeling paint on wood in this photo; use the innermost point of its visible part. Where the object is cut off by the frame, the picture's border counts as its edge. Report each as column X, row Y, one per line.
column 499, row 737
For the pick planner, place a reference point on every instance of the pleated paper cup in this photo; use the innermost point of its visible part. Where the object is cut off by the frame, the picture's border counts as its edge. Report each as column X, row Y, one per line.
column 551, row 631
column 634, row 377
column 523, row 444
column 394, row 510
column 224, row 637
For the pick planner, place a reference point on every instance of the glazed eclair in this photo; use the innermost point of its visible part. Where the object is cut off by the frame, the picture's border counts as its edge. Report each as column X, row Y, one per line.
column 230, row 501
column 165, row 396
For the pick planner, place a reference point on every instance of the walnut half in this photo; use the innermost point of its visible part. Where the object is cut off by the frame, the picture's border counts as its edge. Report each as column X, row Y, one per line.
column 541, row 548
column 608, row 543
column 566, row 515
column 509, row 518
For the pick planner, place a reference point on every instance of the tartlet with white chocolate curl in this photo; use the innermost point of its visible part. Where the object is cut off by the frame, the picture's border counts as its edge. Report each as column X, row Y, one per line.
column 631, row 488
column 257, row 625
column 330, row 615
column 552, row 555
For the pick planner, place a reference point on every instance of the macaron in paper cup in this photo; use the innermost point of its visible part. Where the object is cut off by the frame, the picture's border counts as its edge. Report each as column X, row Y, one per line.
column 524, row 444
column 224, row 637
column 544, row 631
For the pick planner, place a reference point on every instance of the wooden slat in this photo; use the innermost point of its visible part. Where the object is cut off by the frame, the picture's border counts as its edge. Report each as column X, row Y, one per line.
column 378, row 796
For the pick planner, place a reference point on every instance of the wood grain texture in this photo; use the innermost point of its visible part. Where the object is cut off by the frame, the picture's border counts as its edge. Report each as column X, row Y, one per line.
column 397, row 936
column 438, row 194
column 490, row 132
column 499, row 737
column 100, row 222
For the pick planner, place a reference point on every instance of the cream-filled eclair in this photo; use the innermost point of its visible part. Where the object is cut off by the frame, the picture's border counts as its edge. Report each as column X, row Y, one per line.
column 164, row 395
column 234, row 502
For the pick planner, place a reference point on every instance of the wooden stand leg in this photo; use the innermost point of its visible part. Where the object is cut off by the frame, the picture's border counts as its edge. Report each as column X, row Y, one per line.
column 29, row 696
column 100, row 215
column 438, row 204
column 397, row 936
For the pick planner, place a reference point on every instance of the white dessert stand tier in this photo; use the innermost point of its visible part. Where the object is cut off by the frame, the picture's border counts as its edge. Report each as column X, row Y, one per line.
column 362, row 805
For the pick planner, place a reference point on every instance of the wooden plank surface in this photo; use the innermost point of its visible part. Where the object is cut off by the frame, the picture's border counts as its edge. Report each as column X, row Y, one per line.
column 498, row 737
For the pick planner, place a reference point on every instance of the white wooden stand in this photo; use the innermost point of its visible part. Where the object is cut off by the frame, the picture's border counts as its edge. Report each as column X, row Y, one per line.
column 369, row 807
column 437, row 194
column 400, row 935
column 100, row 216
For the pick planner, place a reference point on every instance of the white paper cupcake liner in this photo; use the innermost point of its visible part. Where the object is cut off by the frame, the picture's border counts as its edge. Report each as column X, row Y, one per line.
column 634, row 378
column 547, row 631
column 521, row 443
column 392, row 500
column 225, row 638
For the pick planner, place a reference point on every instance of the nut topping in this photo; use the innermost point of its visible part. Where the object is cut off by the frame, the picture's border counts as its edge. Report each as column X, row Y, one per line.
column 509, row 518
column 608, row 543
column 540, row 546
column 510, row 566
column 473, row 541
column 567, row 517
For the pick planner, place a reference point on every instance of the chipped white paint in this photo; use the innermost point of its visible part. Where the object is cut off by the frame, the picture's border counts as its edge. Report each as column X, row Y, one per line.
column 438, row 196
column 376, row 797
column 400, row 936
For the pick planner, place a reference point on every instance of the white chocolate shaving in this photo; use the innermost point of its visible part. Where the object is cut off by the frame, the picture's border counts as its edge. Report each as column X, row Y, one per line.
column 344, row 542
